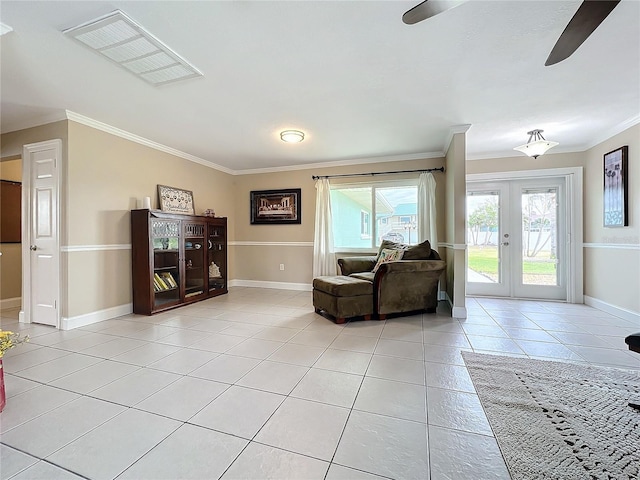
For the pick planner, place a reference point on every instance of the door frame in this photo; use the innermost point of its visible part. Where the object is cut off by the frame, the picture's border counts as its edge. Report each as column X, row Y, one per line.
column 574, row 221
column 27, row 220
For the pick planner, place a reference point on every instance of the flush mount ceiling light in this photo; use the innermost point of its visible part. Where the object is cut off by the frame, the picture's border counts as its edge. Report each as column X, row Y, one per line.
column 536, row 145
column 292, row 136
column 126, row 43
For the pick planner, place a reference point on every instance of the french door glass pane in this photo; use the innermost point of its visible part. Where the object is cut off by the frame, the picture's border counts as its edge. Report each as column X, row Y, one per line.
column 539, row 236
column 483, row 237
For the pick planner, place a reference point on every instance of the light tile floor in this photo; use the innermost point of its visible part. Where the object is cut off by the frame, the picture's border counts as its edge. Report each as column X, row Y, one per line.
column 255, row 385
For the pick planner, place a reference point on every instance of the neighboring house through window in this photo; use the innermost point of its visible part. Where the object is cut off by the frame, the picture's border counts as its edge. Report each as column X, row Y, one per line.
column 364, row 214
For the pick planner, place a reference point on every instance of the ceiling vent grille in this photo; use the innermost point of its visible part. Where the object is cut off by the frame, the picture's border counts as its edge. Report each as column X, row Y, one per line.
column 126, row 43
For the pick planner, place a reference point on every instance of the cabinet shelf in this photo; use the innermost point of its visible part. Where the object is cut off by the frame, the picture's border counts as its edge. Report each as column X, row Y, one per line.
column 165, row 269
column 166, row 290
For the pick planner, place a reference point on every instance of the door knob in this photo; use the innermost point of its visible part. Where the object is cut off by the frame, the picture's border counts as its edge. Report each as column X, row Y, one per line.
column 33, row 247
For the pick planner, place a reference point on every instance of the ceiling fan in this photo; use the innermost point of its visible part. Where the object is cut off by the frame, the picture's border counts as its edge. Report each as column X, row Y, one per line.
column 590, row 14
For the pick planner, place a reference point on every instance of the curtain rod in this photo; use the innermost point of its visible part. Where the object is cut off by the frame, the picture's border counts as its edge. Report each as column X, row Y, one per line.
column 316, row 177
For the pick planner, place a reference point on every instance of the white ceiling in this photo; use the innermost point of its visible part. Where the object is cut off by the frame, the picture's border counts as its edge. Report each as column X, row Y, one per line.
column 358, row 81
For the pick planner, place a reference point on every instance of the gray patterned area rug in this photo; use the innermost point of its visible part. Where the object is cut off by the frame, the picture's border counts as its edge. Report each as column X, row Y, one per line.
column 557, row 420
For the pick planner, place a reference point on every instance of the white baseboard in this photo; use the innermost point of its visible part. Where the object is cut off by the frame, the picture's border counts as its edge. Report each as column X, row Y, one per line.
column 68, row 323
column 456, row 312
column 303, row 287
column 15, row 302
column 612, row 309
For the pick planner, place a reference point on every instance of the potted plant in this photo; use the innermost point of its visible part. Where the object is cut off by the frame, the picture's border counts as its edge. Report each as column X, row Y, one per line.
column 8, row 340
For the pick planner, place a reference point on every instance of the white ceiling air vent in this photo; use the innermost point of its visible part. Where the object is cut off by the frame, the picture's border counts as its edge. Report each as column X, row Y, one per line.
column 126, row 43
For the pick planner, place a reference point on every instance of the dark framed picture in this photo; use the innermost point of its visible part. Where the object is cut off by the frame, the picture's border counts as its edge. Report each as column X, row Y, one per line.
column 616, row 193
column 175, row 200
column 275, row 206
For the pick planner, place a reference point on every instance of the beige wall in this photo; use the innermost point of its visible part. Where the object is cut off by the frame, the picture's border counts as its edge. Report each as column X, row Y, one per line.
column 455, row 223
column 611, row 255
column 261, row 262
column 106, row 175
column 11, row 169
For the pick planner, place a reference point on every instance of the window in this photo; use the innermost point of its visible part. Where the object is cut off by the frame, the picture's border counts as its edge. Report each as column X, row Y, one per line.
column 365, row 224
column 365, row 214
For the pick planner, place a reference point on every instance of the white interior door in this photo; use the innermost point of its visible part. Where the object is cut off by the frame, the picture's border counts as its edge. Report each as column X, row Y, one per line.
column 517, row 240
column 41, row 251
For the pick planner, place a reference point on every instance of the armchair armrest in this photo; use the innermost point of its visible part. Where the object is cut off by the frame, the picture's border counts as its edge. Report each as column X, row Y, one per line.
column 407, row 266
column 349, row 265
column 407, row 285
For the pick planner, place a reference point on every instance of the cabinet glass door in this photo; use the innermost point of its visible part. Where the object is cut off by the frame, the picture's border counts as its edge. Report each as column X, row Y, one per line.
column 166, row 255
column 194, row 259
column 217, row 258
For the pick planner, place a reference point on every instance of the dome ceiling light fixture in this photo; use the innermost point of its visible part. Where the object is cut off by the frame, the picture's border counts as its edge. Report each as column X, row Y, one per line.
column 536, row 145
column 292, row 136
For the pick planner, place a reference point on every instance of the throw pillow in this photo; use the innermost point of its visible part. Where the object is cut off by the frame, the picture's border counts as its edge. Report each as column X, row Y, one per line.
column 386, row 256
column 421, row 251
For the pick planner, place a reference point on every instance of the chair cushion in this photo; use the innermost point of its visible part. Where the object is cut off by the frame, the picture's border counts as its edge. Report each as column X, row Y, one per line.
column 342, row 286
column 421, row 251
column 368, row 276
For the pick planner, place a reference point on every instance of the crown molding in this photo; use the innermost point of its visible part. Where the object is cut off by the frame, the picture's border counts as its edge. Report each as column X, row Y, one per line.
column 343, row 163
column 33, row 122
column 76, row 117
column 89, row 122
column 597, row 140
column 612, row 132
column 452, row 131
column 4, row 28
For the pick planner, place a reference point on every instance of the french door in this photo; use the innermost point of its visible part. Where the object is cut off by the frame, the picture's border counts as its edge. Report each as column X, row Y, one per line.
column 517, row 238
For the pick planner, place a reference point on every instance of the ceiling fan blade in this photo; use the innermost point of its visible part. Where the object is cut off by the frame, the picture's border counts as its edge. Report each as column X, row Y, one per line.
column 428, row 9
column 590, row 14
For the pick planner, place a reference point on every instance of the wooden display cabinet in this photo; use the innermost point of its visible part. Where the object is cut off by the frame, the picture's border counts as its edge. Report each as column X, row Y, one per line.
column 176, row 259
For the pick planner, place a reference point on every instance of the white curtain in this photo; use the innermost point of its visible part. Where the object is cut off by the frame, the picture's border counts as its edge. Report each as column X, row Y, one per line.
column 427, row 209
column 324, row 262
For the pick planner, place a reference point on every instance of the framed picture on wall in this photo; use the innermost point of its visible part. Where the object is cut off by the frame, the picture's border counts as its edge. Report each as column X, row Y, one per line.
column 275, row 206
column 175, row 200
column 616, row 194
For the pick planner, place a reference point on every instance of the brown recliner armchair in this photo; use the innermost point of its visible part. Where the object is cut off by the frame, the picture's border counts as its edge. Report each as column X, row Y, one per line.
column 406, row 285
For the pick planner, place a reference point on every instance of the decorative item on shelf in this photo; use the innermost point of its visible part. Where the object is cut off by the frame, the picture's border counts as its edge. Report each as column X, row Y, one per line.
column 214, row 271
column 189, row 263
column 209, row 212
column 8, row 340
column 175, row 200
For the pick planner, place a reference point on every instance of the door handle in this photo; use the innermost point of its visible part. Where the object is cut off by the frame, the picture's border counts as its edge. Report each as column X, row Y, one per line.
column 33, row 247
